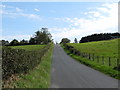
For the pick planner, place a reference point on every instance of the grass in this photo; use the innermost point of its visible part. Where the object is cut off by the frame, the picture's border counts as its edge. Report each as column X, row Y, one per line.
column 106, row 49
column 29, row 47
column 101, row 48
column 39, row 77
column 102, row 68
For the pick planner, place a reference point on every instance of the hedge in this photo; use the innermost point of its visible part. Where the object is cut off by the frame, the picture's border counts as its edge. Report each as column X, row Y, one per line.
column 16, row 61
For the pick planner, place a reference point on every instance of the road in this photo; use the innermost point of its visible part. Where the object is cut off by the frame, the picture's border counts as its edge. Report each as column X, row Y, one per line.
column 69, row 73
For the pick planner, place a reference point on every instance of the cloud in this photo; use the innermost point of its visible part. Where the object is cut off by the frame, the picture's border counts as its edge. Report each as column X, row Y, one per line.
column 16, row 12
column 36, row 9
column 18, row 37
column 101, row 19
column 18, row 9
column 2, row 6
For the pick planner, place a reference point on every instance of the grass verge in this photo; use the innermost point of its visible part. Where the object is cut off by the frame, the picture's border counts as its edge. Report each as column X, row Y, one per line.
column 39, row 77
column 105, row 69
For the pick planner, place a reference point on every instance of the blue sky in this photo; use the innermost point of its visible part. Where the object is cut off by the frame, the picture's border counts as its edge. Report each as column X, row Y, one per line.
column 71, row 20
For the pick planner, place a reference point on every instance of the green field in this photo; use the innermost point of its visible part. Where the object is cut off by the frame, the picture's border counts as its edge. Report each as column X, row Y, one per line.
column 101, row 48
column 29, row 47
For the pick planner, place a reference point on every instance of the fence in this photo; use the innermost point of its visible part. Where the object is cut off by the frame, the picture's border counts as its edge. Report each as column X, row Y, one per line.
column 104, row 60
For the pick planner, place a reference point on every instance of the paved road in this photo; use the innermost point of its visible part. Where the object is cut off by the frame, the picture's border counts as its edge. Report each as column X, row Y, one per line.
column 69, row 73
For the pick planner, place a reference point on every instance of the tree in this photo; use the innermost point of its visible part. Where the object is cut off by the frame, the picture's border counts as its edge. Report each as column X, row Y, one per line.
column 75, row 41
column 3, row 42
column 43, row 36
column 65, row 40
column 23, row 42
column 32, row 41
column 14, row 42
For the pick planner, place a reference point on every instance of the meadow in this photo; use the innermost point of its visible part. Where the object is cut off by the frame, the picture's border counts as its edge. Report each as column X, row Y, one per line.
column 101, row 48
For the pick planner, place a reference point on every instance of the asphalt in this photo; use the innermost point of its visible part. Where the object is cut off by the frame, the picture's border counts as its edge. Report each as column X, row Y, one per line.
column 69, row 73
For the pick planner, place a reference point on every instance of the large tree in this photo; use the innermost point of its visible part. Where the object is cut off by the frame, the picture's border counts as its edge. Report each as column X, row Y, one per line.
column 42, row 36
column 65, row 40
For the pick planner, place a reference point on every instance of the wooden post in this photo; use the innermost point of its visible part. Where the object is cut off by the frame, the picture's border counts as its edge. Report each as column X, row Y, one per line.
column 89, row 55
column 93, row 56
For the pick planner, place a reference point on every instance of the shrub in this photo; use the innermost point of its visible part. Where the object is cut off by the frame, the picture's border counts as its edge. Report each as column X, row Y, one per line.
column 16, row 61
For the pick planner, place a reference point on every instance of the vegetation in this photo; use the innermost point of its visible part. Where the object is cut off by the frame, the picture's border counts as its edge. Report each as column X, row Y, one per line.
column 29, row 47
column 101, row 48
column 65, row 40
column 41, row 37
column 17, row 61
column 105, row 69
column 39, row 77
column 99, row 37
column 75, row 41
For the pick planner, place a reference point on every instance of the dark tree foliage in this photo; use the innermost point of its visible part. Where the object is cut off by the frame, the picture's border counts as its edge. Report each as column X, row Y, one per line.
column 23, row 42
column 32, row 41
column 75, row 41
column 14, row 42
column 99, row 37
column 4, row 43
column 65, row 40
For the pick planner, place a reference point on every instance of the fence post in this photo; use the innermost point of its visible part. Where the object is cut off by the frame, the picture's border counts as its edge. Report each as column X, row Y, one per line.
column 102, row 59
column 93, row 56
column 89, row 56
column 117, row 61
column 109, row 61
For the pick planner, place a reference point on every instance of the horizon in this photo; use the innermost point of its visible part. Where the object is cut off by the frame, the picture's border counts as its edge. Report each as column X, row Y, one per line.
column 74, row 19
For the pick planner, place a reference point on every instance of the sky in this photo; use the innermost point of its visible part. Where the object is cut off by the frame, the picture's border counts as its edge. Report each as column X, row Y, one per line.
column 20, row 20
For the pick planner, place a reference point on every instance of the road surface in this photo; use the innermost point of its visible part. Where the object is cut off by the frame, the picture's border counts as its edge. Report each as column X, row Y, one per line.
column 69, row 73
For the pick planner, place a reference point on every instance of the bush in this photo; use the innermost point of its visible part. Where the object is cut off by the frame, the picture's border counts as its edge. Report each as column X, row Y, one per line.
column 117, row 68
column 16, row 61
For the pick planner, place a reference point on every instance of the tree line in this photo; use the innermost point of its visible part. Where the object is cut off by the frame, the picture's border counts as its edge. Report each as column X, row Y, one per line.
column 94, row 37
column 42, row 36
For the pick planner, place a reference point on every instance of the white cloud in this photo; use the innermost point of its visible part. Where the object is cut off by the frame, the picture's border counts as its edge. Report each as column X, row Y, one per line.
column 2, row 6
column 18, row 37
column 36, row 9
column 18, row 9
column 100, row 20
column 19, row 12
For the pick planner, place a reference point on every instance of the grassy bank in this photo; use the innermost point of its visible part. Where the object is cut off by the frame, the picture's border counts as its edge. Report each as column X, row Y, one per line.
column 103, row 52
column 39, row 77
column 101, row 48
column 102, row 68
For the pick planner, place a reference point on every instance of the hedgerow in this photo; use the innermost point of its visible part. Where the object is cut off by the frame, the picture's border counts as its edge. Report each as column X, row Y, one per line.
column 16, row 61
